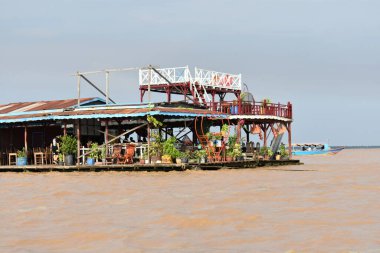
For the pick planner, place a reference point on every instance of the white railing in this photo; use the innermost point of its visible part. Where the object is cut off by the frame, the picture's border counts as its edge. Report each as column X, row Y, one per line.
column 202, row 77
column 209, row 78
column 174, row 75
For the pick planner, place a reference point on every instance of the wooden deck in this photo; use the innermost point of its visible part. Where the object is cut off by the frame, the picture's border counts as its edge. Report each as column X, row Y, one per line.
column 149, row 167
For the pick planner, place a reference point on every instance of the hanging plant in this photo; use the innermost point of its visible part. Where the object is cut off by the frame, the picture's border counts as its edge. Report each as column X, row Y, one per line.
column 155, row 122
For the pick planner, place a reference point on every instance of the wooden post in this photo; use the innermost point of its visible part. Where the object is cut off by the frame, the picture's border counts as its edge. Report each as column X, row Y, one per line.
column 148, row 135
column 65, row 129
column 107, row 88
column 78, row 88
column 247, row 133
column 290, row 140
column 78, row 141
column 106, row 136
column 264, row 129
column 26, row 138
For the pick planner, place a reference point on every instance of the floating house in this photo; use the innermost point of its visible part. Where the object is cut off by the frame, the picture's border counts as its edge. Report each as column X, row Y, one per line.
column 204, row 104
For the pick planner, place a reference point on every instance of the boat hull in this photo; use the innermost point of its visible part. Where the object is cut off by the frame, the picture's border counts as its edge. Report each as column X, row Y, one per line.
column 317, row 152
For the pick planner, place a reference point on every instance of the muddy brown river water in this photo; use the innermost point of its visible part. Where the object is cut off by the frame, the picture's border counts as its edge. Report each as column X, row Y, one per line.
column 330, row 204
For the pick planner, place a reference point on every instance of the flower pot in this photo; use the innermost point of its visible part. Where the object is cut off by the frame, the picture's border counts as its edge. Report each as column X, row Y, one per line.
column 61, row 163
column 154, row 159
column 178, row 161
column 21, row 161
column 142, row 161
column 193, row 161
column 184, row 160
column 203, row 160
column 166, row 159
column 90, row 161
column 278, row 157
column 69, row 160
column 229, row 159
column 240, row 158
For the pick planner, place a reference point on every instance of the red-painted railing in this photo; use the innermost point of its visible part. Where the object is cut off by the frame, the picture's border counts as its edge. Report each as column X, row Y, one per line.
column 257, row 108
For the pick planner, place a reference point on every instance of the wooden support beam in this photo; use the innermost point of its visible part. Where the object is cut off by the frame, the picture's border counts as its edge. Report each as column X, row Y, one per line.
column 106, row 132
column 26, row 138
column 289, row 128
column 78, row 141
column 148, row 137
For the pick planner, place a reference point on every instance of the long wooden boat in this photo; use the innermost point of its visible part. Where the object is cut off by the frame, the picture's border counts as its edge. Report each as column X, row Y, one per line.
column 314, row 149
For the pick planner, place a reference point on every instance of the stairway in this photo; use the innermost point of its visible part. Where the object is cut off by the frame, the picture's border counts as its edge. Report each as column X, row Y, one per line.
column 276, row 143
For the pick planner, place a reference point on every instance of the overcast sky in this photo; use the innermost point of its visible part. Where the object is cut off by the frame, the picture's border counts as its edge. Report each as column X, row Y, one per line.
column 322, row 55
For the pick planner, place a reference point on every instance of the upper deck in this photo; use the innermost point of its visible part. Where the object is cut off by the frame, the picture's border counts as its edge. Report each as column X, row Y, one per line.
column 159, row 79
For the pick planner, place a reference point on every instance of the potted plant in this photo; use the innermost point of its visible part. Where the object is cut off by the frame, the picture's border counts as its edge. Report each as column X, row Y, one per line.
column 284, row 154
column 236, row 153
column 201, row 155
column 144, row 157
column 103, row 154
column 21, row 157
column 193, row 157
column 155, row 150
column 94, row 153
column 68, row 148
column 225, row 129
column 229, row 155
column 185, row 156
column 60, row 159
column 264, row 152
column 170, row 151
column 270, row 153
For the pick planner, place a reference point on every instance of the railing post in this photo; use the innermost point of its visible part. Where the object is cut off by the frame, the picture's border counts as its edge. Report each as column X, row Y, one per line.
column 265, row 107
column 289, row 111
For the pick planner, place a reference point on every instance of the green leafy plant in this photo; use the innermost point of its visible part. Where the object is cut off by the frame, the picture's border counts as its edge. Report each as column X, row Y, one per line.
column 21, row 153
column 217, row 137
column 156, row 146
column 185, row 154
column 94, row 152
column 283, row 152
column 103, row 152
column 232, row 140
column 68, row 144
column 199, row 154
column 209, row 136
column 236, row 150
column 60, row 157
column 265, row 151
column 170, row 149
column 155, row 122
column 225, row 128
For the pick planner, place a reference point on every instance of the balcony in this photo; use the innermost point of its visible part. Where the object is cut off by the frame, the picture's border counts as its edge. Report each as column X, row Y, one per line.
column 256, row 108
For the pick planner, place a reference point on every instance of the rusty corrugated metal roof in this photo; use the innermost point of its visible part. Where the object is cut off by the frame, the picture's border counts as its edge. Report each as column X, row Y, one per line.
column 42, row 105
column 112, row 111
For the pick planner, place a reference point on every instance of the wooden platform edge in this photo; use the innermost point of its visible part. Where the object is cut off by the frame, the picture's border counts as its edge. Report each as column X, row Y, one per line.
column 151, row 167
